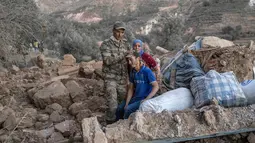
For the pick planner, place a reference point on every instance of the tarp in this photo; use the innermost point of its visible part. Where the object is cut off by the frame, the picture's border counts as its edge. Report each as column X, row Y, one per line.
column 181, row 72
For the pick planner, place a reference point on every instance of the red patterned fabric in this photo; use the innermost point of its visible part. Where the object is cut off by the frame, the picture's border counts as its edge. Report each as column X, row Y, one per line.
column 149, row 61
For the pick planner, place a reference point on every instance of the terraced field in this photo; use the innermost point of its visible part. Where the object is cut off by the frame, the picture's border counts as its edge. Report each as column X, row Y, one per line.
column 208, row 18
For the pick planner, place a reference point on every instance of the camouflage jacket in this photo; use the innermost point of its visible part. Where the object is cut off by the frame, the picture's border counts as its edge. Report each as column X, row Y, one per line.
column 114, row 56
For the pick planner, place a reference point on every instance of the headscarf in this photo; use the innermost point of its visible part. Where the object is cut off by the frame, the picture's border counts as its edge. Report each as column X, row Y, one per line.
column 141, row 44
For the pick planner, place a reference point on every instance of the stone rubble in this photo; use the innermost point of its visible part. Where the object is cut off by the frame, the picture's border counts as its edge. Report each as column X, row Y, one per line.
column 44, row 107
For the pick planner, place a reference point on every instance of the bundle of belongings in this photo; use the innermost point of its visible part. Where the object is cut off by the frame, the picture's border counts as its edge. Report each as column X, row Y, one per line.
column 208, row 71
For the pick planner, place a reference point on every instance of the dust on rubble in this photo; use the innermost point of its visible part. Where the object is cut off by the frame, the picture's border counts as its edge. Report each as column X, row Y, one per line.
column 47, row 102
column 235, row 58
column 63, row 101
column 180, row 124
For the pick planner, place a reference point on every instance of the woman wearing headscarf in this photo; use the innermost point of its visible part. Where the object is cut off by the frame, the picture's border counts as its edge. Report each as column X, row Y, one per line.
column 147, row 59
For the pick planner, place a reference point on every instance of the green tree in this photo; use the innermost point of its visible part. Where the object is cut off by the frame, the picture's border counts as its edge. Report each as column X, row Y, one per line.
column 169, row 32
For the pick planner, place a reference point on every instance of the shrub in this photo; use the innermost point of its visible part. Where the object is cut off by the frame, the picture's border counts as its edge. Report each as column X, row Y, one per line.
column 232, row 33
column 169, row 33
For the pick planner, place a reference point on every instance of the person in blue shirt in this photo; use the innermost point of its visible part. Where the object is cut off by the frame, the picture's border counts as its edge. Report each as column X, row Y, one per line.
column 143, row 86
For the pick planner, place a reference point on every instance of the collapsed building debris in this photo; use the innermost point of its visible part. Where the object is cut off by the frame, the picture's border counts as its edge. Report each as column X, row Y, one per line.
column 65, row 102
column 234, row 58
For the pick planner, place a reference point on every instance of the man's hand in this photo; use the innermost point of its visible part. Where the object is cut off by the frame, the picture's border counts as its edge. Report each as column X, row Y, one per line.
column 129, row 52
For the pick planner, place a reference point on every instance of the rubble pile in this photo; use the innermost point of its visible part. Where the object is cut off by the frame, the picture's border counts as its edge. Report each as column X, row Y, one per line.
column 62, row 102
column 235, row 58
column 181, row 124
column 39, row 105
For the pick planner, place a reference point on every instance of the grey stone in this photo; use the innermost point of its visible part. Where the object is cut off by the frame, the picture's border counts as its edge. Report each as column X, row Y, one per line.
column 66, row 127
column 46, row 133
column 54, row 93
column 76, row 107
column 3, row 116
column 2, row 131
column 42, row 117
column 92, row 131
column 1, row 107
column 3, row 138
column 10, row 122
column 5, row 113
column 31, row 112
column 55, row 137
column 26, row 122
column 55, row 117
column 76, row 91
column 43, row 125
column 83, row 114
column 54, row 107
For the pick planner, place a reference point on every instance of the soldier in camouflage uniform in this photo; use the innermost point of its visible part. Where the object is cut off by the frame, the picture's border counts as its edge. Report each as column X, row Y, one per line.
column 115, row 68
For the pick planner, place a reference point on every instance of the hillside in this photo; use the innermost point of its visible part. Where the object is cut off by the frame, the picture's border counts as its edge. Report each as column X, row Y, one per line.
column 211, row 17
column 77, row 26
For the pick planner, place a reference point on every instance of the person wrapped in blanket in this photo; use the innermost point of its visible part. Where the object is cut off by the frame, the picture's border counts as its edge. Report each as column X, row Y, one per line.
column 147, row 59
column 142, row 86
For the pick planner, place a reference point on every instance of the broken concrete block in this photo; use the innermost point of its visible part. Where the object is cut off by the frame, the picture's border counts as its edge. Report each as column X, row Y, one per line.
column 69, row 60
column 68, row 70
column 209, row 118
column 92, row 132
column 4, row 114
column 55, row 117
column 42, row 117
column 83, row 114
column 54, row 107
column 46, row 133
column 66, row 127
column 15, row 68
column 26, row 123
column 55, row 137
column 86, row 70
column 211, row 41
column 76, row 107
column 54, row 93
column 76, row 91
column 10, row 122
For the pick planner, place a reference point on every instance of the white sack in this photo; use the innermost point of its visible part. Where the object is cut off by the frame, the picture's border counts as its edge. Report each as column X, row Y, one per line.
column 248, row 88
column 178, row 99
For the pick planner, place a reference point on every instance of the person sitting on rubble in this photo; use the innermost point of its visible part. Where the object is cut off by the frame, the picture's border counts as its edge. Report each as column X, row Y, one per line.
column 142, row 86
column 147, row 59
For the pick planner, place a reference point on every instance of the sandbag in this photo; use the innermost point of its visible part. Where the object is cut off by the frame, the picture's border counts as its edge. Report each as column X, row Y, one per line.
column 248, row 88
column 224, row 87
column 178, row 99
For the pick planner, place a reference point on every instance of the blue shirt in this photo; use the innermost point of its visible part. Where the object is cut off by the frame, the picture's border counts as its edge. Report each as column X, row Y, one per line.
column 142, row 81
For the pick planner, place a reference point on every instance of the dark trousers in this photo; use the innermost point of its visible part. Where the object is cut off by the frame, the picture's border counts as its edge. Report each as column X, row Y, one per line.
column 132, row 107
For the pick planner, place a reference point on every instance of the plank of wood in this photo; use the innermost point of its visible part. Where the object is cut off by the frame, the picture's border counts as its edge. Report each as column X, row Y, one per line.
column 63, row 71
column 162, row 50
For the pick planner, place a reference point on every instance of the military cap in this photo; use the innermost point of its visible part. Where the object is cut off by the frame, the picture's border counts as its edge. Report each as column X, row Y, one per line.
column 119, row 25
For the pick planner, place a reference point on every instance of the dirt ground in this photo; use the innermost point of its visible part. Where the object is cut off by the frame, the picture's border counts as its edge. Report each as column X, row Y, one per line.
column 57, row 104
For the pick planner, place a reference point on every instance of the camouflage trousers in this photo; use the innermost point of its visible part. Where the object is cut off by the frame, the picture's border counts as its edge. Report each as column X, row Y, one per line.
column 116, row 90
